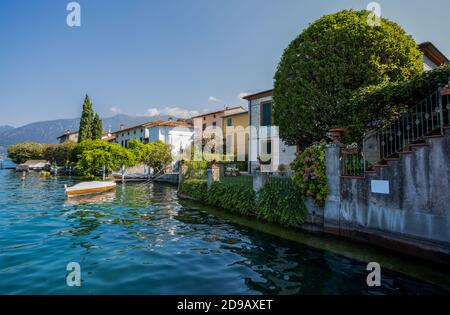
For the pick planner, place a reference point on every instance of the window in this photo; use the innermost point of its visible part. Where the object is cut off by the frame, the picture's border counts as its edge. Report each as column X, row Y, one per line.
column 266, row 114
column 214, row 124
column 204, row 117
column 214, row 116
column 121, row 143
column 126, row 143
column 269, row 147
column 230, row 122
column 134, row 132
column 141, row 139
column 204, row 126
column 128, row 133
column 142, row 130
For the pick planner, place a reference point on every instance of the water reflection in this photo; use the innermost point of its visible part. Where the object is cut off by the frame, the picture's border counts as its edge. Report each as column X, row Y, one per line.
column 142, row 239
column 95, row 199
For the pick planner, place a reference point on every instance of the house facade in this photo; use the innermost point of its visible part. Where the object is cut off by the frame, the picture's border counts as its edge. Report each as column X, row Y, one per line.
column 265, row 141
column 68, row 136
column 432, row 57
column 236, row 134
column 176, row 134
column 212, row 120
column 73, row 136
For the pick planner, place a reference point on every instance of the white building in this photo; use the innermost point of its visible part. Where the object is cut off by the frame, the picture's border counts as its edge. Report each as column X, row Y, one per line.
column 432, row 57
column 261, row 143
column 177, row 134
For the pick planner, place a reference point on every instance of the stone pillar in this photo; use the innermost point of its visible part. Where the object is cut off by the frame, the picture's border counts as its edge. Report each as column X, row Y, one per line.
column 215, row 168
column 333, row 200
column 259, row 180
column 209, row 178
column 182, row 172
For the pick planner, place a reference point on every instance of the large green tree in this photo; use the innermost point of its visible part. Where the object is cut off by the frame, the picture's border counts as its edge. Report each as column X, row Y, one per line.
column 97, row 127
column 86, row 122
column 329, row 61
column 157, row 155
column 91, row 155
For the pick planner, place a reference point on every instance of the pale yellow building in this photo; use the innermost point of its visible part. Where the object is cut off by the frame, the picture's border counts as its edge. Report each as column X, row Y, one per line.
column 210, row 125
column 236, row 134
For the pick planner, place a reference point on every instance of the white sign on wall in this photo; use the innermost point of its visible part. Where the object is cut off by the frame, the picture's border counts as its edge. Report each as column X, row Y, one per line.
column 380, row 186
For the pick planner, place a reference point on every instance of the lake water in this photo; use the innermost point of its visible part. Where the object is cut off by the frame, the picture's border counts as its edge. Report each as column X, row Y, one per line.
column 141, row 239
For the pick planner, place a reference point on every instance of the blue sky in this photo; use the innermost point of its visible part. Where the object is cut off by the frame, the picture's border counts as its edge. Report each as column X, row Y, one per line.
column 173, row 56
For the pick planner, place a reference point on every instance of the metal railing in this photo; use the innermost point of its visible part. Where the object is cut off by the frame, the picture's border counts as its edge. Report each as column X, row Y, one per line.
column 281, row 180
column 426, row 118
column 353, row 163
column 446, row 107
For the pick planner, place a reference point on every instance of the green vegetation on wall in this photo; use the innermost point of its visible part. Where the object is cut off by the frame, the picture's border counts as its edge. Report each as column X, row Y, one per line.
column 233, row 197
column 194, row 188
column 310, row 172
column 281, row 204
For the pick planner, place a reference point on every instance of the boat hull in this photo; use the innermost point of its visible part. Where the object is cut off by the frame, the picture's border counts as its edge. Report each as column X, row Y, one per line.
column 72, row 192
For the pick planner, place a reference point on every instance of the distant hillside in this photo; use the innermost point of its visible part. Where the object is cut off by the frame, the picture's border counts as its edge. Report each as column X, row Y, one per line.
column 5, row 128
column 48, row 131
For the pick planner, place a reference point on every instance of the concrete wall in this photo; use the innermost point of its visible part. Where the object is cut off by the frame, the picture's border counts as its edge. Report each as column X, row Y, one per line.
column 413, row 216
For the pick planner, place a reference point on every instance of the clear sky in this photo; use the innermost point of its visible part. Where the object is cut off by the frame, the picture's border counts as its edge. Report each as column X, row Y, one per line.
column 167, row 56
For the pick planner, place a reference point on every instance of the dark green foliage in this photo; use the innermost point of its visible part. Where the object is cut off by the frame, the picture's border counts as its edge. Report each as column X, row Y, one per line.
column 194, row 188
column 330, row 60
column 375, row 105
column 281, row 204
column 60, row 154
column 233, row 197
column 97, row 128
column 86, row 121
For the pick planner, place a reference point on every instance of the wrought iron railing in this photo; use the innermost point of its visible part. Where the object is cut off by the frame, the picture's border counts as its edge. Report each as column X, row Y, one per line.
column 352, row 163
column 446, row 106
column 426, row 118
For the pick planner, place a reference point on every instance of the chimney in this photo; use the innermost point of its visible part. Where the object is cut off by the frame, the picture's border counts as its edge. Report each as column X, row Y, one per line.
column 121, row 127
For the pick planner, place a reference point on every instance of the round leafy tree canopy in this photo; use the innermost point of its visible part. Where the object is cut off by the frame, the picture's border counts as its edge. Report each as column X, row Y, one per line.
column 331, row 59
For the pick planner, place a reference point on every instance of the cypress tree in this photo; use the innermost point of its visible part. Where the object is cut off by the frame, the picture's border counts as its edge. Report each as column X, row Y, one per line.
column 86, row 121
column 97, row 128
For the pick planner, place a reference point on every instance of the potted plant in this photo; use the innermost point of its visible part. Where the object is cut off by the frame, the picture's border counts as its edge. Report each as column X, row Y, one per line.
column 336, row 135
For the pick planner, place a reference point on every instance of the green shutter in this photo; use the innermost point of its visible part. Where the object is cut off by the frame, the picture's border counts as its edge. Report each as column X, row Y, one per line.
column 266, row 116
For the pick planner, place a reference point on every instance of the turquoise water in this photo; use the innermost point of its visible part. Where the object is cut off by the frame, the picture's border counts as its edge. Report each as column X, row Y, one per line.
column 141, row 239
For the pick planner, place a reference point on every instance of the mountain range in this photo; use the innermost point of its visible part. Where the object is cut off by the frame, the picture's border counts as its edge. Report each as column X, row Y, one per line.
column 48, row 131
